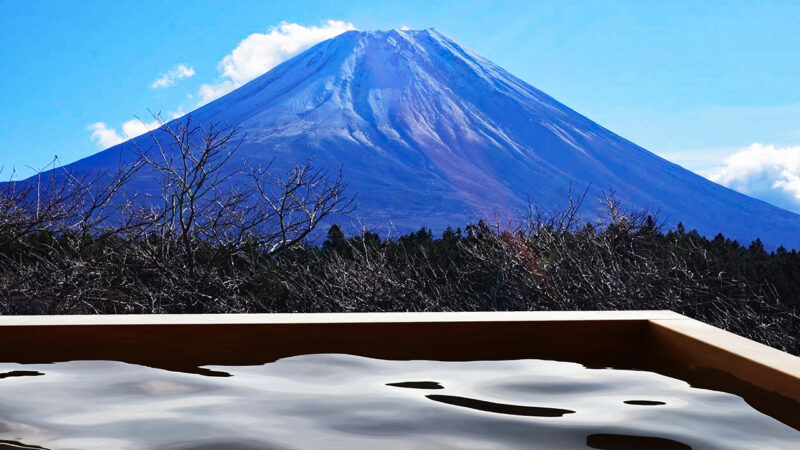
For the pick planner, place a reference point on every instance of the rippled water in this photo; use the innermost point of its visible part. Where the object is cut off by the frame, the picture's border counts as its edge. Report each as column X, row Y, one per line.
column 343, row 401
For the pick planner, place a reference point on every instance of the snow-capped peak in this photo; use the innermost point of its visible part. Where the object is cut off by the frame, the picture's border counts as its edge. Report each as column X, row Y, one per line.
column 429, row 133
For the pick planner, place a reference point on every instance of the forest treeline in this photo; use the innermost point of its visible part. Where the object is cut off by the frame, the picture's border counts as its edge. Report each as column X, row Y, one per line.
column 630, row 264
column 75, row 245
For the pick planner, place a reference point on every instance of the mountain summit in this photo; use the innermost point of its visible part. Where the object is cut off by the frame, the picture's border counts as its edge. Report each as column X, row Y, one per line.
column 429, row 133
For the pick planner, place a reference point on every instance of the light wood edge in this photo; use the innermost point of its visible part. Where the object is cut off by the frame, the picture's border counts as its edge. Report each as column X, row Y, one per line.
column 324, row 318
column 734, row 351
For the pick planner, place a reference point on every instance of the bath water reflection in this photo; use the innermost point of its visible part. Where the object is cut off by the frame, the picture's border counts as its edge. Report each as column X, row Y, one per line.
column 344, row 401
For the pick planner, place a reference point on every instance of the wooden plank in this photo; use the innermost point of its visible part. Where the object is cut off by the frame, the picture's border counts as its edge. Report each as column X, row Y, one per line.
column 710, row 358
column 597, row 343
column 297, row 318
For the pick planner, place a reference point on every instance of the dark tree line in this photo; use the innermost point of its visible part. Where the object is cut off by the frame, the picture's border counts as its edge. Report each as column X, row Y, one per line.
column 79, row 245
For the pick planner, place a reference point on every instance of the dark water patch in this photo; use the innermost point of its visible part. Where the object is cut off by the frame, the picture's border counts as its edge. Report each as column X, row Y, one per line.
column 500, row 408
column 21, row 373
column 644, row 402
column 196, row 370
column 417, row 385
column 627, row 442
column 211, row 373
column 4, row 444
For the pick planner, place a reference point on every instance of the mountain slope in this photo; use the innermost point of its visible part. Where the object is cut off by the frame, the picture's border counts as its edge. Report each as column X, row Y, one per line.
column 429, row 133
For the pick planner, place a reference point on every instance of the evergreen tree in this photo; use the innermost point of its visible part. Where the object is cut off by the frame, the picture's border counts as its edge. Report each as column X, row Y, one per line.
column 335, row 243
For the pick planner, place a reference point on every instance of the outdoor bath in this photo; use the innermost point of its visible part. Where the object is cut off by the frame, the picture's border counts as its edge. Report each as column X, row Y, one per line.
column 607, row 380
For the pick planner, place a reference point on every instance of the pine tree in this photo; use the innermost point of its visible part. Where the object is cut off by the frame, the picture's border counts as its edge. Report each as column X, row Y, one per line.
column 335, row 243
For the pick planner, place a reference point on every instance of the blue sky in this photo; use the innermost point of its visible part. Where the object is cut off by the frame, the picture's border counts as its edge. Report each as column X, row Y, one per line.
column 697, row 82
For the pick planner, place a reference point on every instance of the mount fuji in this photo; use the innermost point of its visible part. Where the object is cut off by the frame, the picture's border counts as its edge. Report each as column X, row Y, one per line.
column 428, row 133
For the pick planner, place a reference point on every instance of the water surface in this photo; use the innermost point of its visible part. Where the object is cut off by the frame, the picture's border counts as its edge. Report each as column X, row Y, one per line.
column 344, row 401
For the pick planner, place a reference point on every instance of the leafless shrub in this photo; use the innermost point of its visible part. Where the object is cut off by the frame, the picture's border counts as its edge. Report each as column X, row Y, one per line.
column 78, row 243
column 548, row 262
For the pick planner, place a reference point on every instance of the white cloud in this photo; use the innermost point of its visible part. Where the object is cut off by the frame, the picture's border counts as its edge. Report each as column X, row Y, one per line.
column 179, row 113
column 254, row 55
column 763, row 171
column 178, row 72
column 209, row 92
column 105, row 136
column 136, row 127
column 260, row 52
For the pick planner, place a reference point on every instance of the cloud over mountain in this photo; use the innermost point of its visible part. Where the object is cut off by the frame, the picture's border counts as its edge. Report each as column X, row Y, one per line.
column 106, row 136
column 763, row 171
column 260, row 52
column 253, row 56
